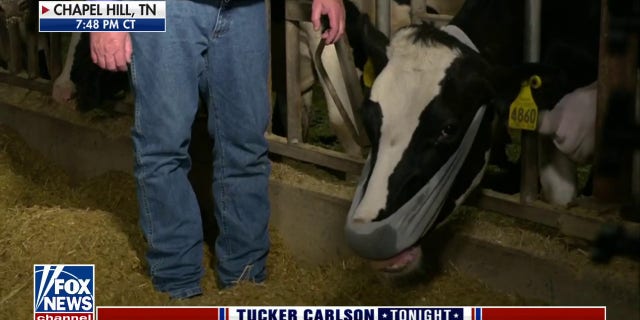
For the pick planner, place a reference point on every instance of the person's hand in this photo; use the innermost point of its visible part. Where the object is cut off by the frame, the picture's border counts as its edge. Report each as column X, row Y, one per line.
column 111, row 50
column 335, row 10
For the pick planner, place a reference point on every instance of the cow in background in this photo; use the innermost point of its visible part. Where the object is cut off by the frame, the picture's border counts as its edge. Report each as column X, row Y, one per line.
column 96, row 87
column 20, row 18
column 64, row 89
column 567, row 134
column 91, row 86
column 427, row 95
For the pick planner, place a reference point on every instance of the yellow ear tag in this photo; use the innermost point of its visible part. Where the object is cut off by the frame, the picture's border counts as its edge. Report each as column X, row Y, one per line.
column 368, row 74
column 523, row 112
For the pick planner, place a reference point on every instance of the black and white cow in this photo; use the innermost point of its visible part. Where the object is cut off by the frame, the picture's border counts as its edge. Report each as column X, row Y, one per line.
column 430, row 136
column 64, row 90
column 19, row 28
column 91, row 86
column 567, row 139
column 96, row 87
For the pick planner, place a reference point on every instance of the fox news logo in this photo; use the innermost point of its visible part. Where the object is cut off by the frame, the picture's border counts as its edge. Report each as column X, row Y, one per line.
column 63, row 292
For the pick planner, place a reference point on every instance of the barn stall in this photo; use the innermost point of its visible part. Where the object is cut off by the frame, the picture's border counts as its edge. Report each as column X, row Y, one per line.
column 68, row 197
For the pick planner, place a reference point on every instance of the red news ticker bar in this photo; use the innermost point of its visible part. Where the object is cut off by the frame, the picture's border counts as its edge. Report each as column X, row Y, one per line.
column 543, row 313
column 160, row 313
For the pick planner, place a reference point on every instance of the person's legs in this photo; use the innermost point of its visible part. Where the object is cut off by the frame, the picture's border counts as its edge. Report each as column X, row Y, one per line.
column 165, row 72
column 237, row 65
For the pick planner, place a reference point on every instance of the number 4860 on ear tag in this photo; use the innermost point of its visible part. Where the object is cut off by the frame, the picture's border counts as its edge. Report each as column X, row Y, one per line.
column 523, row 112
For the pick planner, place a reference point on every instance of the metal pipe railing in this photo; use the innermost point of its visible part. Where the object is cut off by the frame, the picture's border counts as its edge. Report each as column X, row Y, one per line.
column 529, row 139
column 532, row 30
column 635, row 170
column 383, row 16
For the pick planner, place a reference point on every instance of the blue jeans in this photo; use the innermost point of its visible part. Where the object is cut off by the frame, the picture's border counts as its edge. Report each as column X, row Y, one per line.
column 217, row 50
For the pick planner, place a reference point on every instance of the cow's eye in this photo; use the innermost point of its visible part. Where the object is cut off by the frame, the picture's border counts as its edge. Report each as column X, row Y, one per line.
column 449, row 130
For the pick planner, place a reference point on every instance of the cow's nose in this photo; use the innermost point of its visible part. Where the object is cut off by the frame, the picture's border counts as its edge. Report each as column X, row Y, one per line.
column 371, row 240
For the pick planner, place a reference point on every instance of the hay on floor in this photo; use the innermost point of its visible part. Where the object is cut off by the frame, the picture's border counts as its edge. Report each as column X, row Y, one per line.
column 46, row 220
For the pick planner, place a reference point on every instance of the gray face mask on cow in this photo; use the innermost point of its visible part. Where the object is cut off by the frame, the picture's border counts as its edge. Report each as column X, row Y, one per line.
column 374, row 240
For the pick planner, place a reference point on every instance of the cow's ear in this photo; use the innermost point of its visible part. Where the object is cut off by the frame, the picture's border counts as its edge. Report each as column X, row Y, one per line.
column 481, row 88
column 469, row 82
column 508, row 82
column 375, row 44
column 368, row 43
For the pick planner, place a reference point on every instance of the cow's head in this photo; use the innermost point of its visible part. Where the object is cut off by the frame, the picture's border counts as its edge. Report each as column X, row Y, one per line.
column 421, row 104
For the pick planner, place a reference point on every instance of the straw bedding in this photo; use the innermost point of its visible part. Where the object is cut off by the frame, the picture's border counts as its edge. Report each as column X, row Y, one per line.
column 47, row 220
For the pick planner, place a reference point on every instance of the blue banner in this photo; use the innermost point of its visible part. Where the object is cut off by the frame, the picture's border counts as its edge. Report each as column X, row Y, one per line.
column 102, row 25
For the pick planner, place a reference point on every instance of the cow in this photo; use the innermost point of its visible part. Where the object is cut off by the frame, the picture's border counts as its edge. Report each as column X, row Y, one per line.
column 91, row 86
column 64, row 89
column 432, row 107
column 19, row 28
column 567, row 134
column 96, row 87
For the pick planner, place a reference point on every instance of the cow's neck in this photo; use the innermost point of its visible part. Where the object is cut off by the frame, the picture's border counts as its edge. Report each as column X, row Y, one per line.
column 495, row 27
